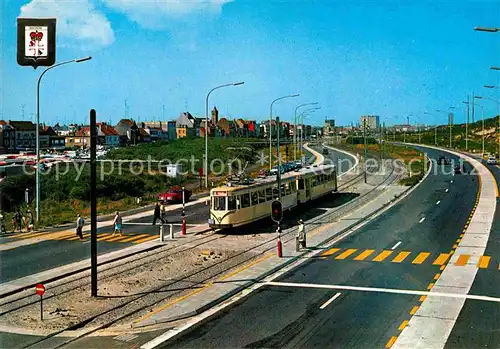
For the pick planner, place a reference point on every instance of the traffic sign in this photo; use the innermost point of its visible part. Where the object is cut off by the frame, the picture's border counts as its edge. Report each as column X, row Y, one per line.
column 40, row 289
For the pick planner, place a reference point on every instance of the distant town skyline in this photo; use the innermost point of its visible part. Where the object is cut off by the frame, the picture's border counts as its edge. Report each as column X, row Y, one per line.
column 358, row 58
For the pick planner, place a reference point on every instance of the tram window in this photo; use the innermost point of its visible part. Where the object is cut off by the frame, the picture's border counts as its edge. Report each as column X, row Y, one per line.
column 255, row 198
column 275, row 192
column 219, row 203
column 301, row 184
column 288, row 190
column 269, row 194
column 283, row 192
column 262, row 196
column 231, row 203
column 245, row 200
column 293, row 186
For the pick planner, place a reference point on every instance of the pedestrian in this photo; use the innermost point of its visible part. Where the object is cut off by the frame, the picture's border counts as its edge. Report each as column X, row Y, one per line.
column 18, row 218
column 80, row 222
column 157, row 214
column 3, row 228
column 117, row 224
column 301, row 233
column 29, row 220
column 163, row 209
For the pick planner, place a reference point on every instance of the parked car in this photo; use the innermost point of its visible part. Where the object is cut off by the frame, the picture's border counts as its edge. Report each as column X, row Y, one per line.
column 263, row 173
column 492, row 160
column 174, row 194
column 325, row 151
column 458, row 169
column 443, row 161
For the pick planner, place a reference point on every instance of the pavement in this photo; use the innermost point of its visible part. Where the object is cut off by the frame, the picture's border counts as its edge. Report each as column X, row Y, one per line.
column 399, row 281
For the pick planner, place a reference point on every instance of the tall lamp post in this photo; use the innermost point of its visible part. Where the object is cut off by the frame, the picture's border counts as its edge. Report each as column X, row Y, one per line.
column 498, row 104
column 295, row 129
column 302, row 116
column 435, row 129
column 271, row 128
column 487, row 29
column 450, row 122
column 482, row 122
column 79, row 60
column 205, row 163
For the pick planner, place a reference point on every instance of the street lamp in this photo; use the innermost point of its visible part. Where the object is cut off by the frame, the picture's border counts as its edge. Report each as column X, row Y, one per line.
column 495, row 68
column 482, row 120
column 206, row 126
column 270, row 128
column 301, row 117
column 79, row 60
column 450, row 123
column 435, row 129
column 295, row 129
column 498, row 103
column 490, row 86
column 486, row 29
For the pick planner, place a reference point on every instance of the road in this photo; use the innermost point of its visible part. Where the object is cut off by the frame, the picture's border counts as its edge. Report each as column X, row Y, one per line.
column 48, row 254
column 427, row 221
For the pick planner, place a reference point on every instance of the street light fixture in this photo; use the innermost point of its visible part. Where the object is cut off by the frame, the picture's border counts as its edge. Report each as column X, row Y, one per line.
column 490, row 86
column 79, row 60
column 486, row 29
column 205, row 170
column 270, row 127
column 495, row 68
column 295, row 128
column 301, row 117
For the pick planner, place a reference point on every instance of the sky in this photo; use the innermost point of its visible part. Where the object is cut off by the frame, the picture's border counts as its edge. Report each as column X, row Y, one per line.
column 160, row 58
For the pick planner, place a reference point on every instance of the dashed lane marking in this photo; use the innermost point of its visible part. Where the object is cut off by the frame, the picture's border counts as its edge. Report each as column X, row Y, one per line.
column 396, row 245
column 421, row 220
column 337, row 295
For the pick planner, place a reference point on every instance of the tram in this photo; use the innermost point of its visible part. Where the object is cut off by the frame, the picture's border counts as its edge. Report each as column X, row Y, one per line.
column 236, row 204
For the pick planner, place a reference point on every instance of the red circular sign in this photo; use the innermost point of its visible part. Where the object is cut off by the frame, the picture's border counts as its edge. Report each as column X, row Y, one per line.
column 40, row 289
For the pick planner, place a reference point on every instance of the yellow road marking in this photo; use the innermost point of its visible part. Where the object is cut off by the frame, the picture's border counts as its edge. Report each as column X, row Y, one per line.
column 443, row 257
column 431, row 285
column 462, row 260
column 421, row 258
column 382, row 256
column 437, row 276
column 65, row 236
column 442, row 267
column 403, row 325
column 329, row 252
column 134, row 237
column 117, row 237
column 104, row 236
column 140, row 241
column 391, row 341
column 414, row 310
column 455, row 246
column 363, row 255
column 346, row 253
column 422, row 298
column 401, row 257
column 28, row 235
column 72, row 238
column 483, row 262
column 458, row 241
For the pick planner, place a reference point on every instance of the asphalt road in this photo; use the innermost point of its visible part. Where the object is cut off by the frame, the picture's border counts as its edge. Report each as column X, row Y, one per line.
column 428, row 220
column 35, row 258
column 484, row 331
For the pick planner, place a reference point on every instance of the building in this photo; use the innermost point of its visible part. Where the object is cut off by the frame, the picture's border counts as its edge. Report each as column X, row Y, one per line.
column 108, row 135
column 20, row 135
column 46, row 133
column 128, row 131
column 215, row 116
column 171, row 129
column 187, row 125
column 372, row 121
column 329, row 127
column 79, row 138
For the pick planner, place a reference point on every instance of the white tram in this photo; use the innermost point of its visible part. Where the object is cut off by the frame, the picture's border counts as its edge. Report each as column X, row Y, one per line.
column 234, row 205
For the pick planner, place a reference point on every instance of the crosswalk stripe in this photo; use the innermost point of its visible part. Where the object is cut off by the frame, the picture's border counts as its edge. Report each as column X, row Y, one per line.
column 363, row 255
column 64, row 236
column 329, row 252
column 401, row 257
column 134, row 237
column 421, row 258
column 71, row 238
column 483, row 262
column 346, row 253
column 29, row 235
column 382, row 256
column 104, row 236
column 443, row 257
column 151, row 237
column 117, row 237
column 462, row 260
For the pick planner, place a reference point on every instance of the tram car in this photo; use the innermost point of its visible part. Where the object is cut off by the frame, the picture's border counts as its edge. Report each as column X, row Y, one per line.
column 235, row 204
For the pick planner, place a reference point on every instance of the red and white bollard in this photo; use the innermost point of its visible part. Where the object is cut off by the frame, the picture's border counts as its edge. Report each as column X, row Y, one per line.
column 183, row 226
column 280, row 246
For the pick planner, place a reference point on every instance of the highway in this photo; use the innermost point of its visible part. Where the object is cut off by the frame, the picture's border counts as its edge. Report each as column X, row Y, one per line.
column 404, row 244
column 54, row 252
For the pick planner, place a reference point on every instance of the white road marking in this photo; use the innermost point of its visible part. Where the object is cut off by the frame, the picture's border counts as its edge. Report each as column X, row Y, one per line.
column 337, row 295
column 451, row 181
column 439, row 201
column 394, row 247
column 446, row 190
column 385, row 290
column 421, row 220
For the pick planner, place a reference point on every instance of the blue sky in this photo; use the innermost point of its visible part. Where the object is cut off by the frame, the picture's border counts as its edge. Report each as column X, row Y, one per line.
column 389, row 58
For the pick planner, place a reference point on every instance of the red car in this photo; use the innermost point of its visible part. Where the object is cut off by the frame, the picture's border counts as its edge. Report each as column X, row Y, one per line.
column 174, row 194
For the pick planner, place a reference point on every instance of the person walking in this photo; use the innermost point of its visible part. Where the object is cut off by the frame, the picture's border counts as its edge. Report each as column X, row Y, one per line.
column 157, row 214
column 80, row 222
column 163, row 209
column 301, row 233
column 29, row 220
column 3, row 226
column 18, row 218
column 117, row 224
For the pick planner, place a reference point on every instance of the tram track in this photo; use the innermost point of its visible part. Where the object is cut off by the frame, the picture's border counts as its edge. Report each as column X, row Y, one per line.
column 287, row 235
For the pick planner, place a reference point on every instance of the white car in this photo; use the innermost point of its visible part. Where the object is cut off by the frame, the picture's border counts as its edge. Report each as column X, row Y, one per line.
column 492, row 160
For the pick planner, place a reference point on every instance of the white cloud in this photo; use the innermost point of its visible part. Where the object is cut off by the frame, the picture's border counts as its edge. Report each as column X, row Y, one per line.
column 79, row 23
column 156, row 13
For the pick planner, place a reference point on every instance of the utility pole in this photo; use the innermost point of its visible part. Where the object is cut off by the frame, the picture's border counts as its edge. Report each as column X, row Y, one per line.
column 472, row 107
column 93, row 205
column 278, row 173
column 364, row 136
column 467, row 127
column 450, row 121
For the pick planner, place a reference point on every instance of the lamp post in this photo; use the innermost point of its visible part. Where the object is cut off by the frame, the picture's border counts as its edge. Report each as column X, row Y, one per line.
column 79, row 60
column 206, row 126
column 302, row 116
column 435, row 130
column 482, row 122
column 498, row 104
column 295, row 129
column 495, row 68
column 271, row 128
column 449, row 121
column 487, row 29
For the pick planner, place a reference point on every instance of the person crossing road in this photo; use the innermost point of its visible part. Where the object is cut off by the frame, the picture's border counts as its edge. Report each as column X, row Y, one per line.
column 117, row 223
column 157, row 214
column 80, row 222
